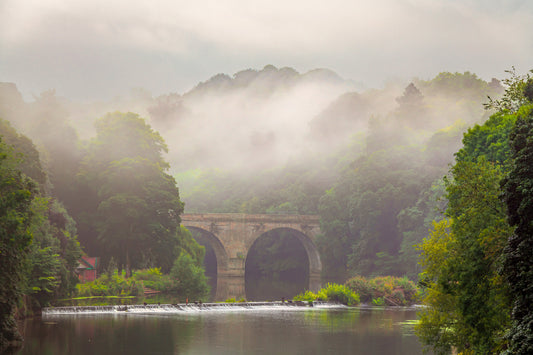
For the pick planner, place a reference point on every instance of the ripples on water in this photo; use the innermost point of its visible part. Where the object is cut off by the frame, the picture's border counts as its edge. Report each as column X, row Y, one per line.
column 223, row 329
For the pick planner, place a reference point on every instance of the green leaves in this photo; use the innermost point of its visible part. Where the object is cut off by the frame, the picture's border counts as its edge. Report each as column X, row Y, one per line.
column 189, row 278
column 16, row 195
column 132, row 201
column 518, row 265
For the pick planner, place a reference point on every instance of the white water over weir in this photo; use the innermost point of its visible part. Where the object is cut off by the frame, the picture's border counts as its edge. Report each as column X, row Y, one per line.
column 190, row 307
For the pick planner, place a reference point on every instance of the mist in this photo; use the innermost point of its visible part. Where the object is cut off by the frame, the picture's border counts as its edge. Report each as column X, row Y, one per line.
column 257, row 120
column 91, row 51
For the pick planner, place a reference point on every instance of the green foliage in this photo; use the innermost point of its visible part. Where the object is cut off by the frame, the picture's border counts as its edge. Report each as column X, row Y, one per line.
column 360, row 214
column 516, row 94
column 392, row 291
column 130, row 199
column 185, row 280
column 230, row 300
column 467, row 297
column 338, row 293
column 25, row 152
column 46, row 268
column 460, row 85
column 489, row 140
column 332, row 293
column 189, row 278
column 380, row 301
column 16, row 195
column 54, row 254
column 187, row 244
column 465, row 294
column 306, row 296
column 114, row 285
column 518, row 264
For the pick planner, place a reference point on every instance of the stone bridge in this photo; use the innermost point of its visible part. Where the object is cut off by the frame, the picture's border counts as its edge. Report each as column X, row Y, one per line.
column 232, row 235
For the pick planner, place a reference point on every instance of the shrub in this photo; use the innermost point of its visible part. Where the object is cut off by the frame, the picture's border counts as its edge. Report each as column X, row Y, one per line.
column 380, row 301
column 189, row 279
column 116, row 285
column 339, row 293
column 306, row 296
column 362, row 287
column 394, row 291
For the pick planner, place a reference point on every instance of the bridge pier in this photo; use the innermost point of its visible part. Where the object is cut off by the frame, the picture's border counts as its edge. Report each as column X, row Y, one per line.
column 315, row 283
column 230, row 281
column 230, row 285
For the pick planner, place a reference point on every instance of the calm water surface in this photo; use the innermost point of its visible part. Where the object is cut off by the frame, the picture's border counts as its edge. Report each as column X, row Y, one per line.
column 282, row 331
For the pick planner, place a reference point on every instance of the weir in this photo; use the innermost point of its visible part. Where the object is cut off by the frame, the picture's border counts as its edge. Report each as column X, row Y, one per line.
column 231, row 236
column 186, row 307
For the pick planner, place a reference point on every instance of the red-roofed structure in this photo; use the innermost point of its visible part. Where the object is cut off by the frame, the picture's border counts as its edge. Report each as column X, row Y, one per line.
column 87, row 268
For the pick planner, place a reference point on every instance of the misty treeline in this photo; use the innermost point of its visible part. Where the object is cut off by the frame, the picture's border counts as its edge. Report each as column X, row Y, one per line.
column 268, row 141
column 369, row 163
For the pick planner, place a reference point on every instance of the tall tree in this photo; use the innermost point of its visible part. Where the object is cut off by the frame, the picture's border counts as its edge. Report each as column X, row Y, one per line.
column 518, row 264
column 128, row 196
column 468, row 299
column 16, row 195
column 466, row 296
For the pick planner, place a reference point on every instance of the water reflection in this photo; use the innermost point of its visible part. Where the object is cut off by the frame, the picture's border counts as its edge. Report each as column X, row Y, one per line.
column 309, row 331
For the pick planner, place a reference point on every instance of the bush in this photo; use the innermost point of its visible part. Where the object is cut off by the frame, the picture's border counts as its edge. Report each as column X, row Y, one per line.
column 116, row 285
column 378, row 301
column 394, row 291
column 306, row 296
column 339, row 293
column 154, row 279
column 362, row 287
column 189, row 279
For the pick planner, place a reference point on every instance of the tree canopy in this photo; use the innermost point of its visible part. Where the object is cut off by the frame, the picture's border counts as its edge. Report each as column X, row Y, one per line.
column 17, row 192
column 132, row 204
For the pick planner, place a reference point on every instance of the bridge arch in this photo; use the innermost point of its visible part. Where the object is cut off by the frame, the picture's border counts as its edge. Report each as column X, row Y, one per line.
column 232, row 236
column 211, row 241
column 216, row 244
column 307, row 242
column 288, row 243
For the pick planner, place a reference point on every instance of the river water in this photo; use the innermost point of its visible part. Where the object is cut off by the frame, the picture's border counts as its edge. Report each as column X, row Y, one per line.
column 231, row 330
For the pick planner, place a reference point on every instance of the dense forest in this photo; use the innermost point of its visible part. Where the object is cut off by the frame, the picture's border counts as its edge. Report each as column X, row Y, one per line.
column 376, row 166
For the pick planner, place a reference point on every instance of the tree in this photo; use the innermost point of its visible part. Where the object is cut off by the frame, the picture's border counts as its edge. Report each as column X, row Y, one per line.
column 517, row 93
column 54, row 253
column 518, row 263
column 16, row 195
column 129, row 198
column 190, row 280
column 465, row 294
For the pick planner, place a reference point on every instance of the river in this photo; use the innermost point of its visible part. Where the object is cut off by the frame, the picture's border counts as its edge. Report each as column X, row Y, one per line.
column 227, row 330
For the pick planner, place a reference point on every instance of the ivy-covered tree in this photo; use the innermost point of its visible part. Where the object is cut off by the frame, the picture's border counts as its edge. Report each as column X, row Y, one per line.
column 49, row 270
column 518, row 264
column 54, row 253
column 16, row 194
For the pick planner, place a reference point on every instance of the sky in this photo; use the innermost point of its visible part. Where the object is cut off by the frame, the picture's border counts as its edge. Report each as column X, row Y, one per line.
column 100, row 49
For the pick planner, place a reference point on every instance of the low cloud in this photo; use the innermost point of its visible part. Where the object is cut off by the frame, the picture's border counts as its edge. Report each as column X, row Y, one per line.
column 122, row 44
